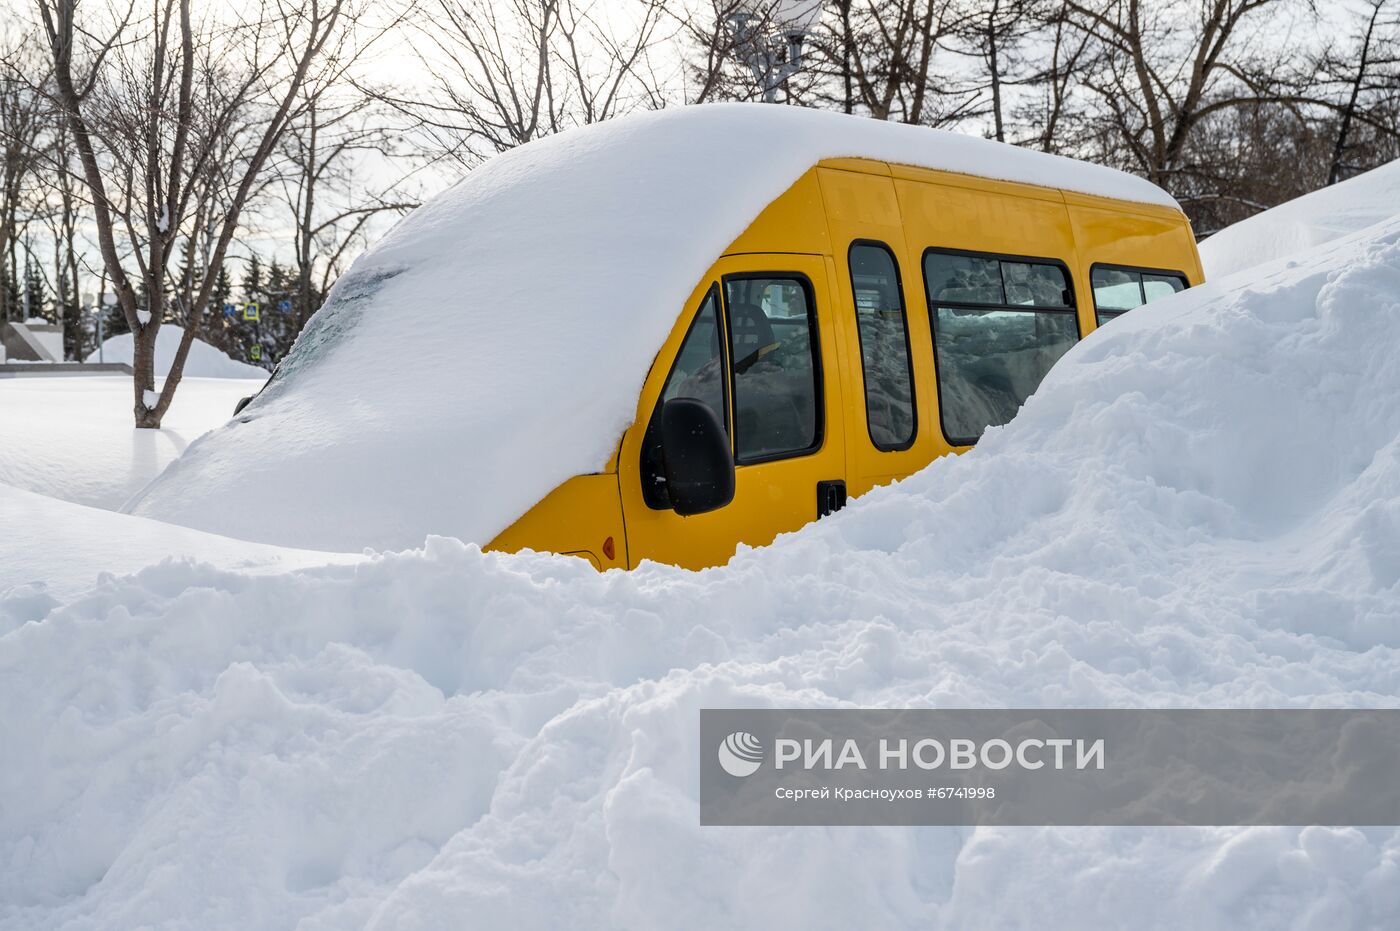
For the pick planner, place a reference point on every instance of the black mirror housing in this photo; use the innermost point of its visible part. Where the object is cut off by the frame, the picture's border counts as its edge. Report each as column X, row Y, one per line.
column 696, row 457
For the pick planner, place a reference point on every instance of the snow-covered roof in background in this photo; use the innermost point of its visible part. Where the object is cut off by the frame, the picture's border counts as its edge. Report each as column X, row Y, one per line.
column 492, row 345
column 1311, row 220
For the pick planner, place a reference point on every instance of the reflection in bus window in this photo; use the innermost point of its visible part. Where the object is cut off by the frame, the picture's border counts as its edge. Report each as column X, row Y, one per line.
column 998, row 327
column 1117, row 290
column 884, row 346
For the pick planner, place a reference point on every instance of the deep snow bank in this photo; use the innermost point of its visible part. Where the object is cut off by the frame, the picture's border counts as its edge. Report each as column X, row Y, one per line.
column 1200, row 507
column 493, row 344
column 1307, row 221
column 72, row 436
column 203, row 361
column 51, row 550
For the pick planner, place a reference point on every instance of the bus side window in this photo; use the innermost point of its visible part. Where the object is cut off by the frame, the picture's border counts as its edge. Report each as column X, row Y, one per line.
column 698, row 373
column 1118, row 289
column 884, row 346
column 773, row 341
column 999, row 324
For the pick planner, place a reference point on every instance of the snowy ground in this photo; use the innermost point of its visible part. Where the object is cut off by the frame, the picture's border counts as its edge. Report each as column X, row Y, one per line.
column 75, row 544
column 1200, row 508
column 71, row 436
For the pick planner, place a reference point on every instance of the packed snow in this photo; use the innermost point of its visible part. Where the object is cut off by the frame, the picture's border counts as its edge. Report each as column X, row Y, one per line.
column 497, row 338
column 74, row 436
column 1310, row 220
column 1199, row 508
column 203, row 361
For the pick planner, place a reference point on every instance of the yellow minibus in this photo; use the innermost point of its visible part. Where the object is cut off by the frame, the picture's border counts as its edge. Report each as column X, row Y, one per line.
column 872, row 318
column 669, row 334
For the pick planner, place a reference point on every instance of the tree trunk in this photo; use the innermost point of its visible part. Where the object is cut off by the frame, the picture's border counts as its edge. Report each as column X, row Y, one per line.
column 143, row 366
column 994, row 66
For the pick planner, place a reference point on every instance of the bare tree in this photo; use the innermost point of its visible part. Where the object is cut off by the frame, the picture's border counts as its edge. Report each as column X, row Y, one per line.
column 883, row 54
column 507, row 73
column 1365, row 69
column 1051, row 106
column 24, row 117
column 319, row 184
column 66, row 209
column 991, row 33
column 1167, row 66
column 159, row 106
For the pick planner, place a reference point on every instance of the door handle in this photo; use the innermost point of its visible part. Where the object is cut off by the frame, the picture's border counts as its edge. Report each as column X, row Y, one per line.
column 831, row 497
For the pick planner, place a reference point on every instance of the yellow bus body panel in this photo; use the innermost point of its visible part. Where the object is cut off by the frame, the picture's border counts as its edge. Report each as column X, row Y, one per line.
column 809, row 230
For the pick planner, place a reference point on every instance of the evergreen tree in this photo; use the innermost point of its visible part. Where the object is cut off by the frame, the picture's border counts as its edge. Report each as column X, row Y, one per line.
column 223, row 290
column 252, row 283
column 221, row 330
column 36, row 297
column 190, row 272
column 280, row 324
column 9, row 289
column 249, row 338
column 114, row 321
column 70, row 314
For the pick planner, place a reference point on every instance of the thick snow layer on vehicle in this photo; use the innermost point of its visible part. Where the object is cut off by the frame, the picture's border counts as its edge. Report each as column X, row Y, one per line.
column 494, row 343
column 72, row 436
column 204, row 361
column 1307, row 221
column 1200, row 508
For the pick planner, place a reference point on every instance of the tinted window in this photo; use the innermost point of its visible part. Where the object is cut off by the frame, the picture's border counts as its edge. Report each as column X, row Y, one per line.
column 698, row 373
column 773, row 344
column 884, row 347
column 991, row 356
column 1120, row 289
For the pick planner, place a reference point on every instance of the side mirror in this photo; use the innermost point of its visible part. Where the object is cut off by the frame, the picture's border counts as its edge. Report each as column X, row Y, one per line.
column 695, row 456
column 242, row 403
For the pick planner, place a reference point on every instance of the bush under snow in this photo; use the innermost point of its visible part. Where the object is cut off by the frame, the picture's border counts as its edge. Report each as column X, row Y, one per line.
column 1199, row 508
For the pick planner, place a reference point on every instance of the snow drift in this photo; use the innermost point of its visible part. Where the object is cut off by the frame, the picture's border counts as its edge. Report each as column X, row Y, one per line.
column 1307, row 221
column 493, row 344
column 204, row 361
column 72, row 436
column 1199, row 508
column 79, row 543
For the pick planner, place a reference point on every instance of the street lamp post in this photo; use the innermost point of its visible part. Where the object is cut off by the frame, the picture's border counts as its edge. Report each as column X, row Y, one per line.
column 768, row 37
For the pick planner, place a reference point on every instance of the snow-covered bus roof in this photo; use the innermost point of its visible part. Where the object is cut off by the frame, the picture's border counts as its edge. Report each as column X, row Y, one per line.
column 493, row 344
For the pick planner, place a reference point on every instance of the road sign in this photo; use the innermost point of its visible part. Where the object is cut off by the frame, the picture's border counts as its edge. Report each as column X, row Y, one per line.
column 285, row 306
column 250, row 310
column 230, row 310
